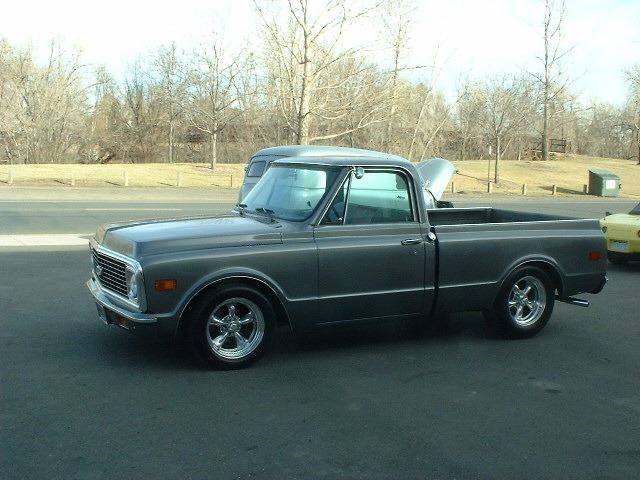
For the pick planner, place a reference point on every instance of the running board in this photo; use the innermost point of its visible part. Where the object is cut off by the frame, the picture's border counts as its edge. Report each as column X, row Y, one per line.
column 573, row 301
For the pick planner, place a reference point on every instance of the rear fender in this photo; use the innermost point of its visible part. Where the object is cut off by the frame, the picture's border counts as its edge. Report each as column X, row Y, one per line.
column 548, row 264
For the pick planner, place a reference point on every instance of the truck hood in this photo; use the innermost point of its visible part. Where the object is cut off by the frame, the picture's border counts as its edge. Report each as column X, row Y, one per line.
column 149, row 237
column 435, row 175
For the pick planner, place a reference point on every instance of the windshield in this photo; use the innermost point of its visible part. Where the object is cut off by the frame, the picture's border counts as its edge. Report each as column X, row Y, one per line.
column 290, row 192
column 636, row 210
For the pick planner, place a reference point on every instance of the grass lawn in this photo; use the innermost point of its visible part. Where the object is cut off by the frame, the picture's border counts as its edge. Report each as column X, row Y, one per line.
column 138, row 175
column 569, row 173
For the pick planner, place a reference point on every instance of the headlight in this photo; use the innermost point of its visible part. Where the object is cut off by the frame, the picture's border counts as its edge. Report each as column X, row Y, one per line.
column 132, row 278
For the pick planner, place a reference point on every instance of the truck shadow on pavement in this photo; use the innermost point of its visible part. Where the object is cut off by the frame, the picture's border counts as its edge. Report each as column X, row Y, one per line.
column 119, row 347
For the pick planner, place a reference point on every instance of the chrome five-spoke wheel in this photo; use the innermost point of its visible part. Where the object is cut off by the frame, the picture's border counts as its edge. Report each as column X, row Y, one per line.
column 527, row 301
column 524, row 304
column 230, row 326
column 235, row 328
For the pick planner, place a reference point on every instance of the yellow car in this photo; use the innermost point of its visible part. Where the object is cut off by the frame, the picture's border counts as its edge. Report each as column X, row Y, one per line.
column 622, row 232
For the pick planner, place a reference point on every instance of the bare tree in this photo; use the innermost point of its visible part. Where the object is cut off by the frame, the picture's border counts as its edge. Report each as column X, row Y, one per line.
column 169, row 70
column 552, row 81
column 509, row 105
column 215, row 91
column 303, row 53
column 633, row 106
column 397, row 20
column 470, row 120
column 141, row 116
column 43, row 107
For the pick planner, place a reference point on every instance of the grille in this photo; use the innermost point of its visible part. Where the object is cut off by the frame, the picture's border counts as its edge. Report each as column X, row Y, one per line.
column 111, row 272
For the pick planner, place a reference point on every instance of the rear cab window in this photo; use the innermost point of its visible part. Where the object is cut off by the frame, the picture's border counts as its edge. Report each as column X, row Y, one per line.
column 256, row 168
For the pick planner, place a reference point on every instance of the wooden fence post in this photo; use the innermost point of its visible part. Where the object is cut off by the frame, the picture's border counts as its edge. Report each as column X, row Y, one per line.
column 73, row 179
column 179, row 179
column 125, row 178
column 489, row 187
column 453, row 187
column 585, row 189
column 10, row 181
column 554, row 189
column 524, row 189
column 230, row 181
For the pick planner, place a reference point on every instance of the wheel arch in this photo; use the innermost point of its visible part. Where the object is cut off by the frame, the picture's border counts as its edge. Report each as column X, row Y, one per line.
column 548, row 265
column 246, row 279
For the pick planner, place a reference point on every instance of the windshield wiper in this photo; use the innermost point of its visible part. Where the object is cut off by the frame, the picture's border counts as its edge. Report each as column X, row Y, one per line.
column 241, row 207
column 270, row 213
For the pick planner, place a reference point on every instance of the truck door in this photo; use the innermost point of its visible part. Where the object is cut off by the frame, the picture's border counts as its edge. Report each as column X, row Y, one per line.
column 373, row 261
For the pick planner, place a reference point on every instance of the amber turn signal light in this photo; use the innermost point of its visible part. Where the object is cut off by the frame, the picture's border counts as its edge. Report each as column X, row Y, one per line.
column 165, row 285
column 595, row 256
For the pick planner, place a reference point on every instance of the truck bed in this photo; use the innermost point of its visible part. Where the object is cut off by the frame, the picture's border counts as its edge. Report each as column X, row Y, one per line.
column 477, row 247
column 482, row 215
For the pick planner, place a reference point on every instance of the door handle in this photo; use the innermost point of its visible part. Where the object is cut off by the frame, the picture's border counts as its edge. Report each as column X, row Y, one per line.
column 411, row 241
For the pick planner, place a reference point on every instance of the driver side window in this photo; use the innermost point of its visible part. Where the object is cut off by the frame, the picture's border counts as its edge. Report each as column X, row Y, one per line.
column 376, row 197
column 379, row 197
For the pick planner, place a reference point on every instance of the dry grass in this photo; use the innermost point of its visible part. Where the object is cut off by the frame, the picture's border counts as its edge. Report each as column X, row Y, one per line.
column 140, row 175
column 569, row 173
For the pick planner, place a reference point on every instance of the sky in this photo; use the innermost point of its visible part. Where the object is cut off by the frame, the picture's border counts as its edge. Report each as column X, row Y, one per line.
column 465, row 38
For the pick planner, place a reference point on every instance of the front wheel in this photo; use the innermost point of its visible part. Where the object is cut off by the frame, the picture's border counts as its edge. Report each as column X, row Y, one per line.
column 525, row 303
column 230, row 329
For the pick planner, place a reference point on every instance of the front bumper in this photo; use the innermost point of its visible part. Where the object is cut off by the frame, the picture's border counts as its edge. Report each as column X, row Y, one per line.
column 117, row 312
column 162, row 324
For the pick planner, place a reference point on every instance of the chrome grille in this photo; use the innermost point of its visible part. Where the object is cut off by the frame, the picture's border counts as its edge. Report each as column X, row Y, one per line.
column 111, row 272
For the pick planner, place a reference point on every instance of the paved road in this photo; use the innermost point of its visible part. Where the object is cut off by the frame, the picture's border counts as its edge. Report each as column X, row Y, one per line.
column 20, row 217
column 79, row 400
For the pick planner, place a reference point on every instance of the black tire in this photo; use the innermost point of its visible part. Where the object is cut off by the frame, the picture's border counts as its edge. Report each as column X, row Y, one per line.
column 617, row 258
column 201, row 333
column 504, row 318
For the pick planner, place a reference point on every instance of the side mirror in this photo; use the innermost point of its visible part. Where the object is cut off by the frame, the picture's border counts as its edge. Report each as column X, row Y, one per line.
column 359, row 172
column 606, row 214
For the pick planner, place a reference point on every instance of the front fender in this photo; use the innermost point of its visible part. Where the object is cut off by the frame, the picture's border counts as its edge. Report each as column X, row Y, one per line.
column 229, row 274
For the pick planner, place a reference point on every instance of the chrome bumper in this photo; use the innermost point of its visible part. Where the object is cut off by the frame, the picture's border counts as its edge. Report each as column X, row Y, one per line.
column 103, row 299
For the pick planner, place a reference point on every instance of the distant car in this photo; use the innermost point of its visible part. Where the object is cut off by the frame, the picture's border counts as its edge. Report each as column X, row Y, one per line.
column 622, row 232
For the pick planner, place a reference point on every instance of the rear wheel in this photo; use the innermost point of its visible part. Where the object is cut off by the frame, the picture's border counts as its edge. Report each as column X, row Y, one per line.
column 525, row 303
column 231, row 328
column 617, row 258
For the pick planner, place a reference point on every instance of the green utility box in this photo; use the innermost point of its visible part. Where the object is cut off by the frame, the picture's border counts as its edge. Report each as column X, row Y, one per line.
column 603, row 183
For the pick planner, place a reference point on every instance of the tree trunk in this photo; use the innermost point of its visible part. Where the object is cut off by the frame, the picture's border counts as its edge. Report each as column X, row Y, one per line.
column 214, row 149
column 545, row 106
column 417, row 126
column 171, row 141
column 394, row 88
column 304, row 118
column 638, row 141
column 545, row 129
column 496, row 177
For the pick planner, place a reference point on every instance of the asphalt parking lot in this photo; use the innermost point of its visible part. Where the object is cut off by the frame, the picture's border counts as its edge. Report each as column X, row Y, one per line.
column 83, row 401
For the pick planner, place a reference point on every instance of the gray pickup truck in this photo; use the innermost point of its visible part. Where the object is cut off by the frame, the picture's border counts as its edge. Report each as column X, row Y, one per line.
column 328, row 240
